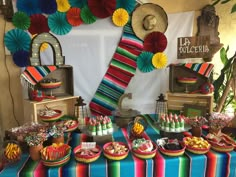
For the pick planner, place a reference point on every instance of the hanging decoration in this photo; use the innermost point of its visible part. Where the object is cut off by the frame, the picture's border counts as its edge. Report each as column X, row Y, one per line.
column 73, row 16
column 29, row 7
column 159, row 60
column 120, row 17
column 21, row 20
column 87, row 16
column 21, row 58
column 128, row 5
column 78, row 3
column 48, row 6
column 144, row 62
column 63, row 5
column 39, row 24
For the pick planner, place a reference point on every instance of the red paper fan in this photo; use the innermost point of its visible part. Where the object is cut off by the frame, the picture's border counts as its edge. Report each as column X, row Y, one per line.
column 102, row 8
column 73, row 16
column 155, row 42
column 39, row 24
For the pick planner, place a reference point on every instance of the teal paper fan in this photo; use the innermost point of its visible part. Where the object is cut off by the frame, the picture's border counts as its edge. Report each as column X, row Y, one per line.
column 128, row 5
column 144, row 62
column 21, row 20
column 78, row 3
column 17, row 39
column 87, row 16
column 58, row 24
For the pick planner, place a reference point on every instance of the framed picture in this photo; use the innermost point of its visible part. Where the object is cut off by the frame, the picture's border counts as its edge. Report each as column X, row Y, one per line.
column 191, row 110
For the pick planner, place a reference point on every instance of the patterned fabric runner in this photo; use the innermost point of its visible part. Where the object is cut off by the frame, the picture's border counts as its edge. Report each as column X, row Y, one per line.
column 121, row 70
column 213, row 164
column 33, row 74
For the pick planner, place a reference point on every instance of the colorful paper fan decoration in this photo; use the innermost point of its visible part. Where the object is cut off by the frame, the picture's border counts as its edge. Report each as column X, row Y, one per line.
column 21, row 20
column 155, row 42
column 48, row 6
column 159, row 60
column 144, row 62
column 120, row 17
column 63, row 5
column 58, row 24
column 21, row 58
column 17, row 39
column 30, row 7
column 78, row 3
column 128, row 5
column 87, row 16
column 39, row 24
column 73, row 16
column 102, row 8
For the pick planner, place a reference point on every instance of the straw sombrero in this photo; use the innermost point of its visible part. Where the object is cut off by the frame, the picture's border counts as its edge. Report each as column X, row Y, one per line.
column 147, row 18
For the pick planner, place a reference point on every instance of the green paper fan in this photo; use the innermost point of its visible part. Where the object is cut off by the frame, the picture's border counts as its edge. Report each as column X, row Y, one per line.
column 21, row 20
column 87, row 16
column 144, row 62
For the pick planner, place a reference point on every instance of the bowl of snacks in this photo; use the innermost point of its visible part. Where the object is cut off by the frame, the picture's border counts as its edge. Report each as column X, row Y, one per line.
column 144, row 149
column 196, row 145
column 11, row 151
column 171, row 147
column 55, row 155
column 221, row 142
column 87, row 155
column 68, row 124
column 48, row 114
column 115, row 150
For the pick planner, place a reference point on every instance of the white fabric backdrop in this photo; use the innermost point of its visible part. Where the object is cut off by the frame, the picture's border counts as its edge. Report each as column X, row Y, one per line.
column 89, row 49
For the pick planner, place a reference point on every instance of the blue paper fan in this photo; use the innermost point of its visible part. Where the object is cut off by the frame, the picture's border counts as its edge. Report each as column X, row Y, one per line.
column 17, row 39
column 128, row 5
column 30, row 7
column 21, row 58
column 58, row 24
column 144, row 62
column 78, row 3
column 48, row 6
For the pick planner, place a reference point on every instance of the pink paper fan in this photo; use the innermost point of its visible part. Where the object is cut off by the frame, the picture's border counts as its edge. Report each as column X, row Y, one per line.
column 73, row 16
column 102, row 8
column 39, row 24
column 155, row 42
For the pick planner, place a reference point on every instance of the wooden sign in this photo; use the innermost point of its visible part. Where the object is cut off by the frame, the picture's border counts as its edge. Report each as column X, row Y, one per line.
column 194, row 47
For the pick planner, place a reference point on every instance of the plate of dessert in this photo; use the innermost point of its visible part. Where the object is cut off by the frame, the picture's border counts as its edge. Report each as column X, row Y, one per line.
column 87, row 155
column 48, row 114
column 170, row 147
column 68, row 124
column 196, row 145
column 115, row 150
column 143, row 148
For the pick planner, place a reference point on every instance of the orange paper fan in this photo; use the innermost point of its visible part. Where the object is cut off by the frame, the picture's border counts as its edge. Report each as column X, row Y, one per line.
column 73, row 16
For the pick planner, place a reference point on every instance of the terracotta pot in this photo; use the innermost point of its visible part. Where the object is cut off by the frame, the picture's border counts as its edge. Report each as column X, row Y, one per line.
column 196, row 131
column 58, row 140
column 34, row 152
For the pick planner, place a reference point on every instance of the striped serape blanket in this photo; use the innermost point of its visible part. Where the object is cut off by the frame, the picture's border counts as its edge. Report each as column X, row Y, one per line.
column 212, row 164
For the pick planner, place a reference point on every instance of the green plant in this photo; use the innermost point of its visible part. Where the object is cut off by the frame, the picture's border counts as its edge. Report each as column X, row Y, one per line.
column 233, row 9
column 224, row 93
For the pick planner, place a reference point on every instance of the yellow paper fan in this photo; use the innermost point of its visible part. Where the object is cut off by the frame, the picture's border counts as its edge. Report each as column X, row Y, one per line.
column 159, row 60
column 63, row 5
column 120, row 17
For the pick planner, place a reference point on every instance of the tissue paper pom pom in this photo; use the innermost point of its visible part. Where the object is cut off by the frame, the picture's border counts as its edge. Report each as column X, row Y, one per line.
column 21, row 20
column 144, row 62
column 39, row 24
column 73, row 16
column 78, row 3
column 102, row 8
column 58, row 24
column 17, row 39
column 63, row 5
column 48, row 6
column 30, row 7
column 21, row 58
column 120, row 17
column 87, row 16
column 159, row 60
column 128, row 5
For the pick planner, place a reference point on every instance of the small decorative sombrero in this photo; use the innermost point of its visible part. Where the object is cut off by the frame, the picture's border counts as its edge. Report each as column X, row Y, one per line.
column 148, row 18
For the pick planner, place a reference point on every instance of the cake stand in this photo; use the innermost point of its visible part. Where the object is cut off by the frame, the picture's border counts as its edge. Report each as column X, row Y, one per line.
column 186, row 81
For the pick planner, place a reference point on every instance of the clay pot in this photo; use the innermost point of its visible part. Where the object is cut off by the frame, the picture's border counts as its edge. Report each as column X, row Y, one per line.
column 196, row 131
column 58, row 140
column 34, row 152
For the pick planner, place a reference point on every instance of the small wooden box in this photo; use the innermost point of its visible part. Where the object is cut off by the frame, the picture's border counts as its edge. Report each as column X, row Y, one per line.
column 65, row 104
column 176, row 101
column 181, row 71
column 65, row 74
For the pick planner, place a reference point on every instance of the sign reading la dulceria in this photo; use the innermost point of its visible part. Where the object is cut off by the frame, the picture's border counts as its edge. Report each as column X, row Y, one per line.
column 193, row 47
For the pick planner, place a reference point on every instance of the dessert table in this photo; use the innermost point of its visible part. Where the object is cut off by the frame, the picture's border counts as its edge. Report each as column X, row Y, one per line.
column 212, row 164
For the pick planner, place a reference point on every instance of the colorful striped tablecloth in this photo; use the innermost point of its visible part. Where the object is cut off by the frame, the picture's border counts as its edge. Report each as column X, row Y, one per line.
column 212, row 164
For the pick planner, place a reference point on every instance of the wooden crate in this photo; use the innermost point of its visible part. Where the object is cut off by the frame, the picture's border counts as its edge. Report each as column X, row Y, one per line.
column 176, row 101
column 65, row 74
column 65, row 104
column 181, row 71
